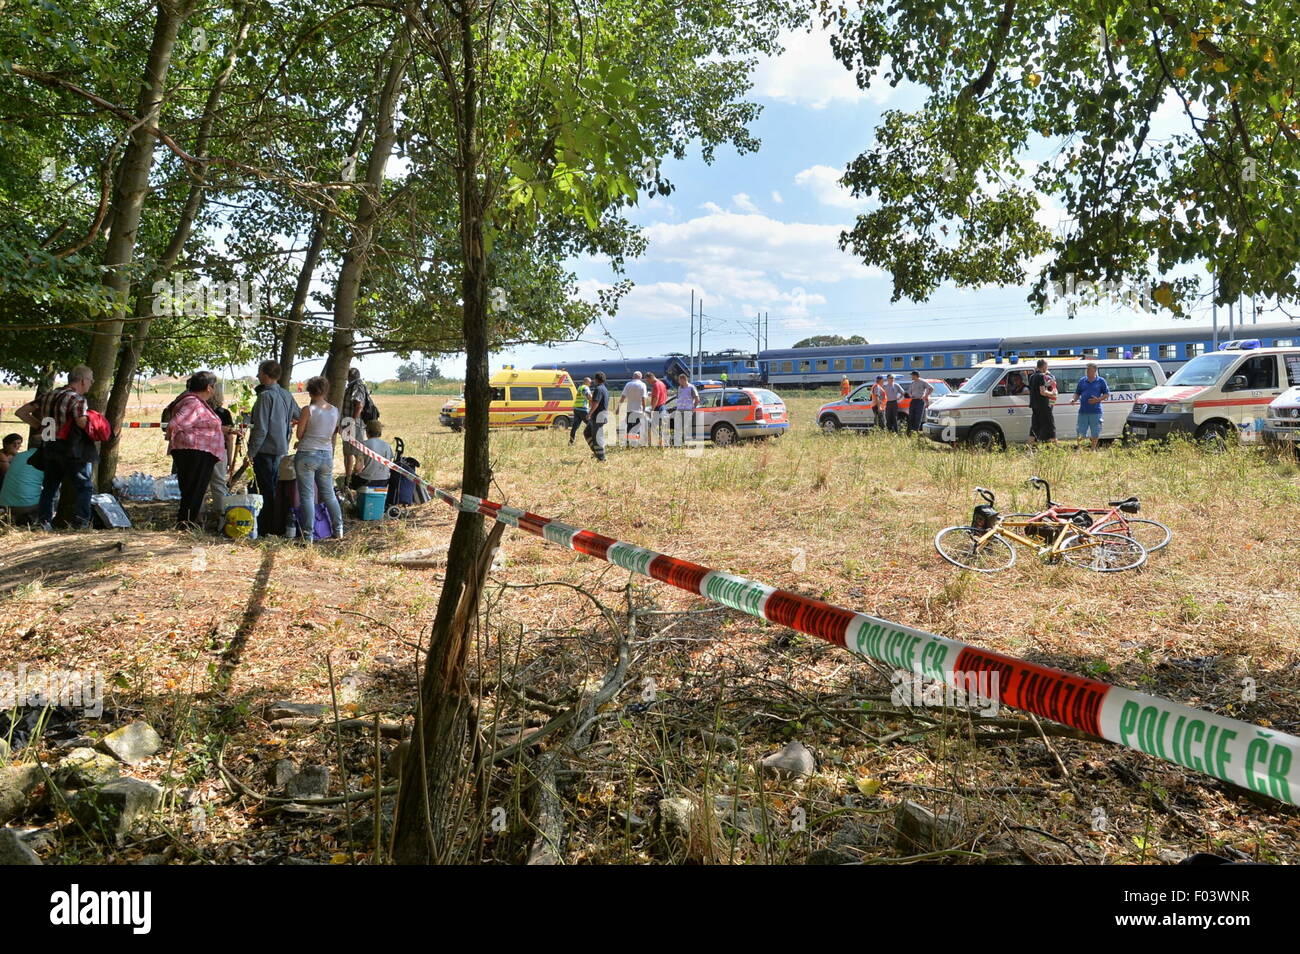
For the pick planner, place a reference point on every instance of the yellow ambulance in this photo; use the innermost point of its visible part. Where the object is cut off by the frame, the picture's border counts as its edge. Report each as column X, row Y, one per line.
column 522, row 399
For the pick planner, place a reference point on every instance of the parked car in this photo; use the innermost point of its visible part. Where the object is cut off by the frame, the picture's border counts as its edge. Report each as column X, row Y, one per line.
column 991, row 410
column 854, row 412
column 1218, row 396
column 726, row 415
column 521, row 399
column 1282, row 425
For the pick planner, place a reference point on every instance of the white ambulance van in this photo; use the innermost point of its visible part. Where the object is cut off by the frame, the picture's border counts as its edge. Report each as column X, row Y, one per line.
column 991, row 409
column 1283, row 422
column 1219, row 396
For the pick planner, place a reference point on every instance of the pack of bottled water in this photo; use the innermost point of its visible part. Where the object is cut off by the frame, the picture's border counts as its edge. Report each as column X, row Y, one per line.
column 137, row 486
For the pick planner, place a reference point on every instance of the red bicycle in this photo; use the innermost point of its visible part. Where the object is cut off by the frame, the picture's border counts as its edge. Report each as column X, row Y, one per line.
column 1113, row 518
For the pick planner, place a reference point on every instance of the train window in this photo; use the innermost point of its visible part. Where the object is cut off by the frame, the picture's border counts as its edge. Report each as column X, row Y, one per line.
column 1090, row 352
column 821, row 365
column 1141, row 351
column 877, row 364
column 959, row 361
column 896, row 362
column 859, row 364
column 840, row 364
column 787, row 367
column 989, row 356
column 1284, row 343
column 557, row 394
column 524, row 394
column 805, row 365
column 1114, row 353
column 1195, row 348
column 1168, row 351
column 1041, row 353
column 918, row 361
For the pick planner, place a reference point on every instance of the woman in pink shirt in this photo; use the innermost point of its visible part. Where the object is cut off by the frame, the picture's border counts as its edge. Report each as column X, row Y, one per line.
column 196, row 443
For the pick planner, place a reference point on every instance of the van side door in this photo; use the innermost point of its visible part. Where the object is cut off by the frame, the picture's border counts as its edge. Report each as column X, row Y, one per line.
column 1066, row 414
column 1247, row 405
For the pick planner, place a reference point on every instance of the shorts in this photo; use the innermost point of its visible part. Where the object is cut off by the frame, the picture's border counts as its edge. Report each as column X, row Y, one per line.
column 1089, row 425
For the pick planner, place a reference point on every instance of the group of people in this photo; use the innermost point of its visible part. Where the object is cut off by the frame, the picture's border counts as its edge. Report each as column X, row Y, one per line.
column 644, row 399
column 1090, row 394
column 887, row 397
column 202, row 437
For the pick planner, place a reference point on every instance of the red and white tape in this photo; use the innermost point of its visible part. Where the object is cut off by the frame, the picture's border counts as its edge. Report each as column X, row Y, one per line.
column 1262, row 760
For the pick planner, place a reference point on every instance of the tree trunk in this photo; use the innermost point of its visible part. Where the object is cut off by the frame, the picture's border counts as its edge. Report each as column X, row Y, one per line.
column 129, row 363
column 428, row 783
column 357, row 254
column 132, row 186
column 289, row 344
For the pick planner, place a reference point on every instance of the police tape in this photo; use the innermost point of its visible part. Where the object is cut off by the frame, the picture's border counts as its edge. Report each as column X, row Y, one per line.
column 143, row 424
column 1243, row 754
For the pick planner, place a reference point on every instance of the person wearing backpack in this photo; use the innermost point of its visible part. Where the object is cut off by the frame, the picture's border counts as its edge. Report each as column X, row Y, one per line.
column 61, row 418
column 357, row 410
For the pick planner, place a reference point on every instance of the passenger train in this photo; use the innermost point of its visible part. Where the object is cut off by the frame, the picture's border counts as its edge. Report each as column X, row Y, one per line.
column 949, row 361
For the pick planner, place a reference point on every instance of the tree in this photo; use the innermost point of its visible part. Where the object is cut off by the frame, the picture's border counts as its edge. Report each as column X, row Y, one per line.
column 822, row 341
column 955, row 197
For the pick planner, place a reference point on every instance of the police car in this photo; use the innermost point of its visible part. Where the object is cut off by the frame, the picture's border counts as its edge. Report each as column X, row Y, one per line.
column 726, row 415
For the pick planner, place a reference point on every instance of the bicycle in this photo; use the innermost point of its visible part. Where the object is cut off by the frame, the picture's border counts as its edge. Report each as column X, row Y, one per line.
column 1114, row 518
column 984, row 548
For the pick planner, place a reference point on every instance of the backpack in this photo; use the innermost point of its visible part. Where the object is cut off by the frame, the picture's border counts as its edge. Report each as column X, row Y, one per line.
column 368, row 411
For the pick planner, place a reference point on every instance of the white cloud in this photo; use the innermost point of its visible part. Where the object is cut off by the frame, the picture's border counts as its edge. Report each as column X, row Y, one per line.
column 808, row 74
column 776, row 197
column 794, row 251
column 711, row 207
column 824, row 184
column 743, row 202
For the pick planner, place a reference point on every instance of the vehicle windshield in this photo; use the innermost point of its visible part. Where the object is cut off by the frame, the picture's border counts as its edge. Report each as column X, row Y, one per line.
column 983, row 380
column 767, row 397
column 1203, row 371
column 940, row 389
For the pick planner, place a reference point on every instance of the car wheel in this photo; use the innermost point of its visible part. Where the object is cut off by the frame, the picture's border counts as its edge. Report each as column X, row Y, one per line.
column 1214, row 437
column 561, row 423
column 724, row 435
column 830, row 424
column 986, row 438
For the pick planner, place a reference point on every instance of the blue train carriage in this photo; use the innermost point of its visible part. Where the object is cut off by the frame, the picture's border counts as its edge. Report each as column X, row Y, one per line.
column 618, row 371
column 948, row 361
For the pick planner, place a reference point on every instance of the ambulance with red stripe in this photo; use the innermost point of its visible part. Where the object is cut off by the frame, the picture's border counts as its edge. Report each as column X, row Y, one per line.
column 536, row 399
column 1219, row 396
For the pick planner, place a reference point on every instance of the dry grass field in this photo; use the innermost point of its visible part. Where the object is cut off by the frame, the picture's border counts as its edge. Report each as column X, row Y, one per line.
column 198, row 635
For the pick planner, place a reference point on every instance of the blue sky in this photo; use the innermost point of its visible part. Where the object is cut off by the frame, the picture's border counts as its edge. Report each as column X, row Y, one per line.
column 760, row 232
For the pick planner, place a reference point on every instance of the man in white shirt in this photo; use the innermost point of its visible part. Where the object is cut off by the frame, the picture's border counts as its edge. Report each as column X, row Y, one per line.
column 634, row 398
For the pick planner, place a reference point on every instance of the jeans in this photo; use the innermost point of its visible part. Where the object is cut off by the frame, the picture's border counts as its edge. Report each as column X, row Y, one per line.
column 891, row 416
column 1089, row 425
column 579, row 418
column 315, row 470
column 266, row 468
column 915, row 415
column 57, row 466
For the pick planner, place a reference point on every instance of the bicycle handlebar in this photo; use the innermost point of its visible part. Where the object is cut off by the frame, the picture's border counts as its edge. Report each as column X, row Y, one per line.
column 986, row 494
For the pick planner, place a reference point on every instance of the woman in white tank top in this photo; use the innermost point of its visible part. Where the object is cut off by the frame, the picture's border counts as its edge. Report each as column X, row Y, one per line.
column 317, row 430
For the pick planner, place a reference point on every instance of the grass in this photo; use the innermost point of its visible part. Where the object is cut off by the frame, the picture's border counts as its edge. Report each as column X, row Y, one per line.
column 849, row 518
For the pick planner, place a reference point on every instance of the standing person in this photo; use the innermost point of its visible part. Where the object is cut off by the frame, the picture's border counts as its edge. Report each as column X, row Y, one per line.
column 634, row 399
column 1092, row 389
column 580, row 403
column 70, row 455
column 313, row 465
column 919, row 391
column 596, row 417
column 688, row 399
column 196, row 443
column 13, row 443
column 356, row 397
column 656, row 401
column 1042, row 395
column 878, row 401
column 219, row 482
column 845, row 387
column 893, row 394
column 268, row 440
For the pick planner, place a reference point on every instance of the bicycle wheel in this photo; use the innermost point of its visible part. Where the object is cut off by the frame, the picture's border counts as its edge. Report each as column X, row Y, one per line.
column 1150, row 533
column 1103, row 552
column 960, row 547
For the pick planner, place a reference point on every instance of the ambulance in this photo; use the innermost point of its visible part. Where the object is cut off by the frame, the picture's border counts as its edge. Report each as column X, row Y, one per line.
column 991, row 409
column 1219, row 396
column 537, row 399
column 1283, row 422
